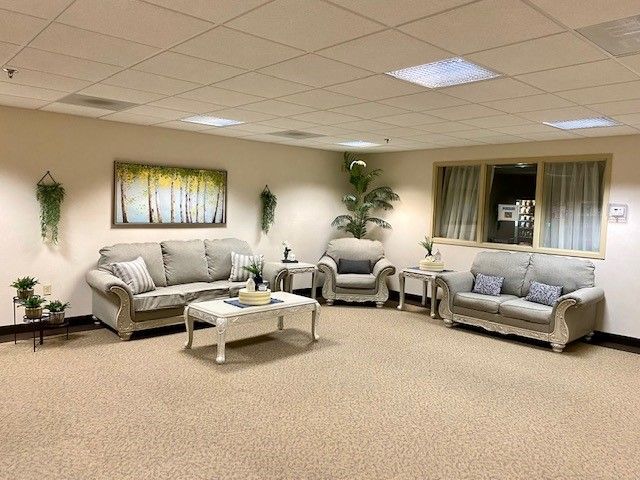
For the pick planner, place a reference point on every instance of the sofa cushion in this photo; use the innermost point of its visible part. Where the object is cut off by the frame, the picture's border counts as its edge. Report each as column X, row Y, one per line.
column 354, row 266
column 488, row 284
column 510, row 265
column 356, row 280
column 180, row 295
column 184, row 261
column 151, row 253
column 355, row 249
column 502, row 319
column 529, row 311
column 219, row 255
column 569, row 273
column 477, row 301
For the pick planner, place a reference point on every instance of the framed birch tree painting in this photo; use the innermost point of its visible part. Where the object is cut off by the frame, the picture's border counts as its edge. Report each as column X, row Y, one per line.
column 161, row 196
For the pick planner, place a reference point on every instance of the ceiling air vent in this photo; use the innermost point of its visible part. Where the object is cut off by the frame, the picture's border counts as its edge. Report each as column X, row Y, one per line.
column 296, row 134
column 618, row 37
column 96, row 102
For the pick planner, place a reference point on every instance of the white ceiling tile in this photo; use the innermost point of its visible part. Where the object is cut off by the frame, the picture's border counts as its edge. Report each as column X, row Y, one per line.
column 288, row 124
column 217, row 11
column 119, row 93
column 482, row 25
column 527, row 129
column 17, row 28
column 7, row 50
column 385, row 51
column 38, row 8
column 51, row 81
column 540, row 54
column 178, row 125
column 445, row 127
column 496, row 121
column 580, row 13
column 315, row 70
column 328, row 130
column 325, row 118
column 185, row 67
column 617, row 108
column 580, row 76
column 628, row 118
column 463, row 112
column 366, row 126
column 498, row 139
column 257, row 84
column 131, row 118
column 607, row 131
column 631, row 61
column 376, row 88
column 570, row 113
column 63, row 65
column 489, row 90
column 76, row 110
column 369, row 110
column 409, row 119
column 13, row 89
column 133, row 20
column 547, row 136
column 92, row 46
column 251, row 128
column 186, row 105
column 227, row 132
column 475, row 134
column 544, row 101
column 236, row 48
column 308, row 25
column 393, row 132
column 321, row 99
column 159, row 112
column 242, row 115
column 220, row 96
column 21, row 102
column 419, row 102
column 398, row 11
column 431, row 137
column 278, row 108
column 604, row 93
column 149, row 82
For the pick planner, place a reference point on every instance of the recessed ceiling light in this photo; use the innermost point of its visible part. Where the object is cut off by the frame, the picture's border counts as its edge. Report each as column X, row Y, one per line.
column 358, row 144
column 214, row 121
column 583, row 123
column 444, row 73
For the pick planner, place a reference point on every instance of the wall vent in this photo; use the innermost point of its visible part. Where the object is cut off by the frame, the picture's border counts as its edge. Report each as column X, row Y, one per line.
column 296, row 134
column 96, row 102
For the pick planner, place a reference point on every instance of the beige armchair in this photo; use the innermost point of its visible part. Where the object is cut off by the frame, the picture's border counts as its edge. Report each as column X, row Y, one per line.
column 355, row 287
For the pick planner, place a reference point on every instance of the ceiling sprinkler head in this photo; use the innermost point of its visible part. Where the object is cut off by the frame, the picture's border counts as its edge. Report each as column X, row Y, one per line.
column 386, row 140
column 10, row 71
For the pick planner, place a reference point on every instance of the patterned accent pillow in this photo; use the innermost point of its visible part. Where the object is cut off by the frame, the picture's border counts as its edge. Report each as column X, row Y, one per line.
column 543, row 293
column 238, row 262
column 135, row 274
column 488, row 285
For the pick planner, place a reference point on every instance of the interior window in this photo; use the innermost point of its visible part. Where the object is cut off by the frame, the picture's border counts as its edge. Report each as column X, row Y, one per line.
column 457, row 205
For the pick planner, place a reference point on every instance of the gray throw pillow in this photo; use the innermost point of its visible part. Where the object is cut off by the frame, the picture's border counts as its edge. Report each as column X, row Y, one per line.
column 135, row 274
column 543, row 293
column 488, row 285
column 354, row 266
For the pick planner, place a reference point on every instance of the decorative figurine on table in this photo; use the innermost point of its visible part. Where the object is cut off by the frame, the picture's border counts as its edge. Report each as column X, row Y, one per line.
column 432, row 261
column 289, row 256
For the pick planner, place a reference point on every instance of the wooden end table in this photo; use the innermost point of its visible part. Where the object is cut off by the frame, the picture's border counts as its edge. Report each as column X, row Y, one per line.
column 295, row 268
column 428, row 279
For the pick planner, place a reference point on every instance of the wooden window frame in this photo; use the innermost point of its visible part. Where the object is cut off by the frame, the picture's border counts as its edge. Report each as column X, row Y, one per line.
column 539, row 211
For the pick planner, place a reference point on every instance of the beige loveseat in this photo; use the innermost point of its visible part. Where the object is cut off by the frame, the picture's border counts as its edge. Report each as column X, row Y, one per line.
column 183, row 271
column 572, row 316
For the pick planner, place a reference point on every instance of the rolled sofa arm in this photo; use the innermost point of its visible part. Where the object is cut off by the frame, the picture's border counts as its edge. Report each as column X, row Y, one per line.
column 328, row 266
column 103, row 281
column 452, row 283
column 584, row 296
column 273, row 273
column 383, row 268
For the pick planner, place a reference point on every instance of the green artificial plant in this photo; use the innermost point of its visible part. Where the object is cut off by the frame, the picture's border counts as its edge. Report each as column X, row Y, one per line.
column 427, row 243
column 57, row 306
column 25, row 283
column 255, row 268
column 363, row 201
column 269, row 202
column 50, row 197
column 34, row 301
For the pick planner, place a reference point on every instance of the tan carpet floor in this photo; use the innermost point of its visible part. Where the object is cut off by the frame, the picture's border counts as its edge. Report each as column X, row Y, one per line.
column 383, row 395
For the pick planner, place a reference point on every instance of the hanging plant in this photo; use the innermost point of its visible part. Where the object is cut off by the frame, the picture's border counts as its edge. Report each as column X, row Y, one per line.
column 50, row 197
column 269, row 202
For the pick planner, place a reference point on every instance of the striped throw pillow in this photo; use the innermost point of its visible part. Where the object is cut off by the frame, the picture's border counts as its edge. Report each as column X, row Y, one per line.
column 238, row 262
column 135, row 274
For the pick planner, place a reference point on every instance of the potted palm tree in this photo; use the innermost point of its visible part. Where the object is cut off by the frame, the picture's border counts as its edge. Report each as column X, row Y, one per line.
column 56, row 311
column 33, row 307
column 24, row 287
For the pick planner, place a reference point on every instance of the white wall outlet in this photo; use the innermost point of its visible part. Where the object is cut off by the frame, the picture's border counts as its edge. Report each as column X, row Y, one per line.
column 46, row 289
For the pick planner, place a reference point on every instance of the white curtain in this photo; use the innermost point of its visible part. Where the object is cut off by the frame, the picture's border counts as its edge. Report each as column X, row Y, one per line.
column 572, row 202
column 459, row 202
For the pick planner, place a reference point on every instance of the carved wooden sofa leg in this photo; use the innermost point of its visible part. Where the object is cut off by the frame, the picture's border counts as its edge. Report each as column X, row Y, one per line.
column 379, row 304
column 448, row 322
column 588, row 337
column 125, row 336
column 558, row 347
column 329, row 301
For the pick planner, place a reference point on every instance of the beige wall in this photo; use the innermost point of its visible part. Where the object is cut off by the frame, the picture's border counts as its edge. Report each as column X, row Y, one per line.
column 410, row 174
column 80, row 153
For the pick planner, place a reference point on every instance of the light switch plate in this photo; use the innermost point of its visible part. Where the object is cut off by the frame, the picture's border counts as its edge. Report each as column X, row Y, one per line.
column 618, row 212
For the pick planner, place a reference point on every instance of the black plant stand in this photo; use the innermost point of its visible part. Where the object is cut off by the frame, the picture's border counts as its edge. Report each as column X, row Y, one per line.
column 42, row 323
column 17, row 303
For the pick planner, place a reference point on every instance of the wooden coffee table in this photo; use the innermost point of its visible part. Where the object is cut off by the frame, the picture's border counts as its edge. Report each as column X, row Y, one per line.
column 223, row 315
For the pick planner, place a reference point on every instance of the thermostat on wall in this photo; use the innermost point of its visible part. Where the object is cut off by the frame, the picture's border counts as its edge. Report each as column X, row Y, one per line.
column 618, row 212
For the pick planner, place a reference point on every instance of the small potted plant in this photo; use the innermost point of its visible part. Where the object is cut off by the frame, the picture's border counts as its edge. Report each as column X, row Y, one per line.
column 255, row 269
column 33, row 307
column 24, row 287
column 56, row 311
column 431, row 261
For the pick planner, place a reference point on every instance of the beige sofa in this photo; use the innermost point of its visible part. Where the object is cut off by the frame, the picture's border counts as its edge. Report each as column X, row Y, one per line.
column 183, row 271
column 572, row 316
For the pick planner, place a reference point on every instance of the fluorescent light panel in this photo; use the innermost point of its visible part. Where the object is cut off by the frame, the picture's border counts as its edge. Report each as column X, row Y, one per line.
column 583, row 123
column 359, row 144
column 444, row 73
column 213, row 121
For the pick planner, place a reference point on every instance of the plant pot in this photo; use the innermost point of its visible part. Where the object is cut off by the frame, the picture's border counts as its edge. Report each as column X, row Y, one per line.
column 56, row 318
column 24, row 294
column 430, row 264
column 33, row 313
column 257, row 279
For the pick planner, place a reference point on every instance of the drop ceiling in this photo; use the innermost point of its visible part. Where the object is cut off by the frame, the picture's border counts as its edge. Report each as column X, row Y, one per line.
column 318, row 67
